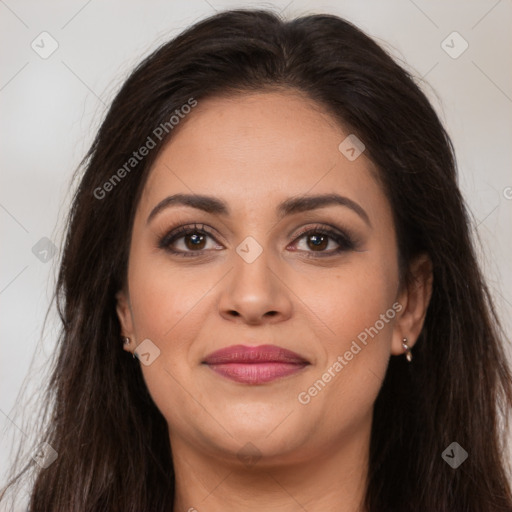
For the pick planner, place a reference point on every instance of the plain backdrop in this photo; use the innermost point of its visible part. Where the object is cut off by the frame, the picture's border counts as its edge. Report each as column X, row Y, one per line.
column 51, row 107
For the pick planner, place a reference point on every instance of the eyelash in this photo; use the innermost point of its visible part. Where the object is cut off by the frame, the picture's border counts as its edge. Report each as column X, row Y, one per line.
column 344, row 240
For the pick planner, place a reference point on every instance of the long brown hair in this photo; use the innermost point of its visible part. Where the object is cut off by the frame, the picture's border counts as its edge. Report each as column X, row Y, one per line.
column 112, row 441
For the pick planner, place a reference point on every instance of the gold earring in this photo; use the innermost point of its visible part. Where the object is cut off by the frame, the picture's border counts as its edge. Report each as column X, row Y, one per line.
column 407, row 350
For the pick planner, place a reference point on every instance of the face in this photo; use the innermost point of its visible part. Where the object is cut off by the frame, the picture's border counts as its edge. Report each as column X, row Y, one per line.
column 260, row 264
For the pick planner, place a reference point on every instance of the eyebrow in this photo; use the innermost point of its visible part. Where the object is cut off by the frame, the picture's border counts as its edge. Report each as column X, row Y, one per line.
column 290, row 206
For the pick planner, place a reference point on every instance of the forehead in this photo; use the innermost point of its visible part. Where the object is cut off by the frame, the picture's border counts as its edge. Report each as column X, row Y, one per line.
column 255, row 149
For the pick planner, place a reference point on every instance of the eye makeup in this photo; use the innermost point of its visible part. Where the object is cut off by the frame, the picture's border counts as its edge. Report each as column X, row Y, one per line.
column 195, row 236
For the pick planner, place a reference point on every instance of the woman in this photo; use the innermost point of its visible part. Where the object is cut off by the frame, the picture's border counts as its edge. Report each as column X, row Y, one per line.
column 269, row 223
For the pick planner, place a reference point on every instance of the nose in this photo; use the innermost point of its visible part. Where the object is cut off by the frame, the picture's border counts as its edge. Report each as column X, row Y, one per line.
column 254, row 293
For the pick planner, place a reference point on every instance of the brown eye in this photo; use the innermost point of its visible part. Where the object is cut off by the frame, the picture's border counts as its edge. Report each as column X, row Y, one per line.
column 194, row 241
column 317, row 242
column 188, row 241
column 323, row 242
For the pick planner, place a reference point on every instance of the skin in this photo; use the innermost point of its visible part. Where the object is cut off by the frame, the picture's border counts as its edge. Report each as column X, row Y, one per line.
column 253, row 151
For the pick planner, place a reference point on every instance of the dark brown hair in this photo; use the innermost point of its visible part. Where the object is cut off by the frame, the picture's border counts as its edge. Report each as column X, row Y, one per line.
column 112, row 441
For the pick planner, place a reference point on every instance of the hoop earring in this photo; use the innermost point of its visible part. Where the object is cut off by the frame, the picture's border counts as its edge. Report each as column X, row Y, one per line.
column 407, row 350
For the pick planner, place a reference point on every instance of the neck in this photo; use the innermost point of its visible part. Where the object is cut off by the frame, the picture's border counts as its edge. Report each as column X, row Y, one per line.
column 332, row 480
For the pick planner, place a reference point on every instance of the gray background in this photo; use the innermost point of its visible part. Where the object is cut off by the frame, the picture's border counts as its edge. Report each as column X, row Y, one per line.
column 51, row 107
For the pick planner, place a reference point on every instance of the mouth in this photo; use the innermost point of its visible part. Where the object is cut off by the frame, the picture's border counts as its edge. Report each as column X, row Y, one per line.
column 255, row 365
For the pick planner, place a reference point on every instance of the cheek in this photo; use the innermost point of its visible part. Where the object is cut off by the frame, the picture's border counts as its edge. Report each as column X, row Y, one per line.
column 162, row 296
column 352, row 299
column 166, row 305
column 344, row 386
column 358, row 305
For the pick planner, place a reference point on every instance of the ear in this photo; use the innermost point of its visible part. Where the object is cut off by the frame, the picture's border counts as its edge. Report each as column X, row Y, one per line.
column 414, row 297
column 124, row 313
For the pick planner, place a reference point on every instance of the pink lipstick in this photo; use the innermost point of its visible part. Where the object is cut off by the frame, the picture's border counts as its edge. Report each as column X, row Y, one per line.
column 255, row 365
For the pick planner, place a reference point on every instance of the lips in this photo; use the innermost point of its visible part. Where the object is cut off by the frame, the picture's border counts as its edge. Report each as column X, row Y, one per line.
column 254, row 355
column 255, row 365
